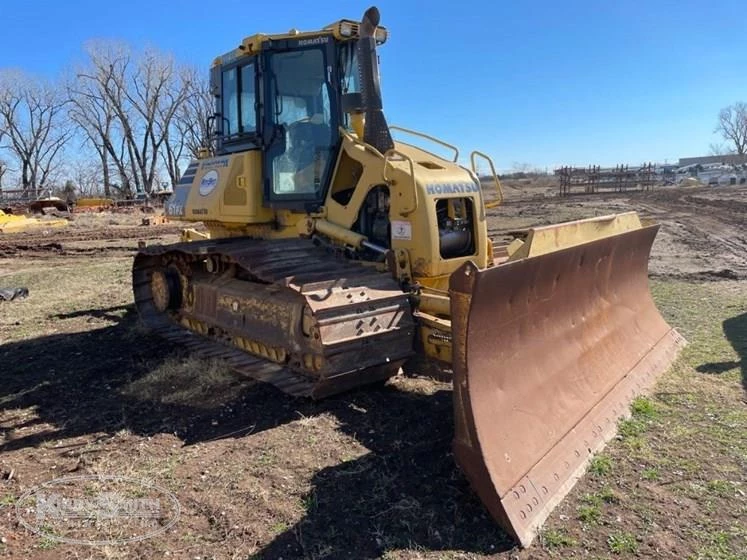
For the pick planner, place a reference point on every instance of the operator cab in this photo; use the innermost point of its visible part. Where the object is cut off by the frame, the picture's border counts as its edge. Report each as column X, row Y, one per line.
column 282, row 95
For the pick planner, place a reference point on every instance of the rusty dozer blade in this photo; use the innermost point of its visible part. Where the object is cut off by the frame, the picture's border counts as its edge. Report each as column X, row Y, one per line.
column 549, row 352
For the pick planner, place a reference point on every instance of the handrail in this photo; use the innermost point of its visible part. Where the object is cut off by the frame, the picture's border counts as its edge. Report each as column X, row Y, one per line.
column 414, row 189
column 358, row 142
column 498, row 187
column 428, row 137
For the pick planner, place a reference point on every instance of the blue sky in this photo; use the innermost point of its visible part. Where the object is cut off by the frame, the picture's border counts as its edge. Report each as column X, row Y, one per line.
column 544, row 83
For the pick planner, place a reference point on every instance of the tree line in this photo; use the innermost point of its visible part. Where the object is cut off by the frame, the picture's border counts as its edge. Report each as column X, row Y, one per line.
column 121, row 122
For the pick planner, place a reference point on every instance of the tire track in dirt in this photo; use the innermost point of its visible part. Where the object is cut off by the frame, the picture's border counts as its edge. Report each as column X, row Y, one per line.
column 706, row 229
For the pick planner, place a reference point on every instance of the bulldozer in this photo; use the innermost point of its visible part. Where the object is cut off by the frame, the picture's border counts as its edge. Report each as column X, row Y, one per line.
column 333, row 256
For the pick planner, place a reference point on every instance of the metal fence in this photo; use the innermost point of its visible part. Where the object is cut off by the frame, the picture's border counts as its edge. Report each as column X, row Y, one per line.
column 23, row 196
column 594, row 178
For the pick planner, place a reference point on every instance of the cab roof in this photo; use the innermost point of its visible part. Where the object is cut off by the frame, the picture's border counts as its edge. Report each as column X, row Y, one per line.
column 342, row 30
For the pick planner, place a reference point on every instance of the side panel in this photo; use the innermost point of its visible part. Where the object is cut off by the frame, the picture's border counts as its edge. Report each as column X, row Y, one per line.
column 221, row 189
column 549, row 351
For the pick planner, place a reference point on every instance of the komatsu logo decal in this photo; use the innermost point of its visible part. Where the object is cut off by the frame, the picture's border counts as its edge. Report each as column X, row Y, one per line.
column 451, row 188
column 315, row 41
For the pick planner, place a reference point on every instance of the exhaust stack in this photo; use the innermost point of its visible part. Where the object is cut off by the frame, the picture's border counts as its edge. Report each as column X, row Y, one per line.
column 375, row 129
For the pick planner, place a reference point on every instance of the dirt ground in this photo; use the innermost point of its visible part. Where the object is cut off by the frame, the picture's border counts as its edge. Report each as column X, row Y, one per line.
column 84, row 389
column 703, row 234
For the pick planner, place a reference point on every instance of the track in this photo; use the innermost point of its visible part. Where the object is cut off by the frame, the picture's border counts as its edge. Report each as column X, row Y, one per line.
column 304, row 320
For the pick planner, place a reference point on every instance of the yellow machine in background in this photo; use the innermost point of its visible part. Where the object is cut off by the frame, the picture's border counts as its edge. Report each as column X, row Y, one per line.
column 12, row 223
column 335, row 254
column 93, row 204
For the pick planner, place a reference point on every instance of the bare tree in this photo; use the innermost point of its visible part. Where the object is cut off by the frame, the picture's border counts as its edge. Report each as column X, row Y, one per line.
column 732, row 124
column 190, row 130
column 172, row 153
column 192, row 119
column 719, row 149
column 186, row 126
column 85, row 174
column 3, row 169
column 92, row 111
column 519, row 167
column 32, row 114
column 155, row 95
column 136, row 100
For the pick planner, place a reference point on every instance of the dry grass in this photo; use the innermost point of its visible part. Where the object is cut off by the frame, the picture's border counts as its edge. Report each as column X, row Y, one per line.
column 188, row 381
column 61, row 292
column 678, row 467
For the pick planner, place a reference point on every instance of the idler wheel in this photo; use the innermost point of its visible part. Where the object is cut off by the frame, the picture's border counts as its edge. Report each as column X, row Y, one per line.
column 165, row 289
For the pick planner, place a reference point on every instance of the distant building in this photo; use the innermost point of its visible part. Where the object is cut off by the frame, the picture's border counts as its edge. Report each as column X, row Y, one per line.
column 728, row 159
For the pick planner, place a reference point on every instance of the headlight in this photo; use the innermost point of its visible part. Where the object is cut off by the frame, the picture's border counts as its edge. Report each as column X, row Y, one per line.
column 346, row 29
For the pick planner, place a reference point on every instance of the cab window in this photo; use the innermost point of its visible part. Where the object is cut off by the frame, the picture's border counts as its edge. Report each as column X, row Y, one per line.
column 230, row 103
column 248, row 109
column 239, row 101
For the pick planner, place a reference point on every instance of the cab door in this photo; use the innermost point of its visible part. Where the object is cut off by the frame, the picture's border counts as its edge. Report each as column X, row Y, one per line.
column 301, row 120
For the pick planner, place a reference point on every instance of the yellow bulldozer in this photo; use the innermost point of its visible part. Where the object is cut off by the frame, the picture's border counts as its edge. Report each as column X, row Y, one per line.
column 335, row 255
